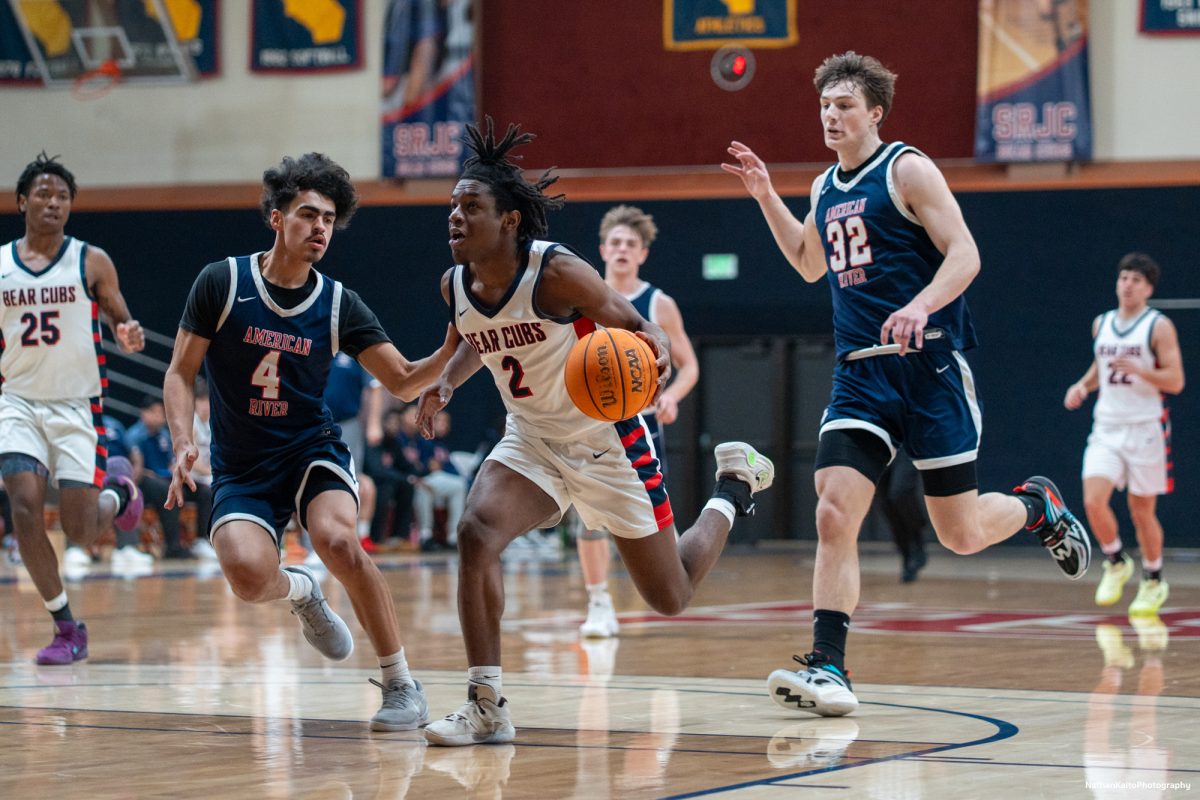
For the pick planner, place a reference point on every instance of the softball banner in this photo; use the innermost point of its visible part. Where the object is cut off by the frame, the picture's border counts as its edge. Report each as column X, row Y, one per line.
column 305, row 35
column 1033, row 100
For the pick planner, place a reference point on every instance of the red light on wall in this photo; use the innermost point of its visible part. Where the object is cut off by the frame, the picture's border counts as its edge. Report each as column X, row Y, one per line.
column 732, row 68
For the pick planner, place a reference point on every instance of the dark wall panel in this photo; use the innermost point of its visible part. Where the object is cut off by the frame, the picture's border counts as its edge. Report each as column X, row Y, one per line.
column 595, row 83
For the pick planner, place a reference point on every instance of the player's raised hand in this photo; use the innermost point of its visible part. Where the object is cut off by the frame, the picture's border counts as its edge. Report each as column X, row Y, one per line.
column 130, row 336
column 751, row 169
column 181, row 473
column 431, row 401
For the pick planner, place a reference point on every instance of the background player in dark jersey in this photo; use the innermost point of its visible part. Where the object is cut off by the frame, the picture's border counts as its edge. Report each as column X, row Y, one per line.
column 626, row 233
column 889, row 235
column 507, row 280
column 267, row 327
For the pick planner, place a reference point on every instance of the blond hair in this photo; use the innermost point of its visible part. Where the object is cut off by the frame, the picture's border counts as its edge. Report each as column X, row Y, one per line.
column 632, row 217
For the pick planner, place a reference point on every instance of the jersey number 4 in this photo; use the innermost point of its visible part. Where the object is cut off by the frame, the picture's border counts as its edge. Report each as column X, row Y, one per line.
column 847, row 243
column 266, row 375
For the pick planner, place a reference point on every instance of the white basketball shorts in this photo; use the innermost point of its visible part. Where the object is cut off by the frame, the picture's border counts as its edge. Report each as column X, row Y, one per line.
column 1132, row 455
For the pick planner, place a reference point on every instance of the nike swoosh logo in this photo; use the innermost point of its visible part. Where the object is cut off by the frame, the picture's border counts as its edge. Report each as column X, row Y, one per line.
column 602, row 452
column 244, row 299
column 462, row 312
column 943, row 369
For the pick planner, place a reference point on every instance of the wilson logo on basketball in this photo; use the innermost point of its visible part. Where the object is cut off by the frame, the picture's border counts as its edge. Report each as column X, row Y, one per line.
column 611, row 374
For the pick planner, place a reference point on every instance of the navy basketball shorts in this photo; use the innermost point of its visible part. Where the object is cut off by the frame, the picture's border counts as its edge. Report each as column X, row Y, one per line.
column 268, row 494
column 926, row 401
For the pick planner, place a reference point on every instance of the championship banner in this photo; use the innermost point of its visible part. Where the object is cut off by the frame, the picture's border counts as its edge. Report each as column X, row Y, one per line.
column 194, row 23
column 713, row 24
column 428, row 86
column 1170, row 17
column 306, row 35
column 1033, row 102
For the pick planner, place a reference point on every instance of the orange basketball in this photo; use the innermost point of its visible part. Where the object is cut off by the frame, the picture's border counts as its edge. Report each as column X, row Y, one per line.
column 611, row 374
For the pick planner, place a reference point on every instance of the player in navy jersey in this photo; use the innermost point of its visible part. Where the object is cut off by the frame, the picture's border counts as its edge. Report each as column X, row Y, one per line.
column 626, row 233
column 888, row 235
column 267, row 327
column 520, row 303
column 54, row 291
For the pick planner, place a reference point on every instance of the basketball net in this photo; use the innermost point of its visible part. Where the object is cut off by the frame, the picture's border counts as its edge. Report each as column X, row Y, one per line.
column 98, row 82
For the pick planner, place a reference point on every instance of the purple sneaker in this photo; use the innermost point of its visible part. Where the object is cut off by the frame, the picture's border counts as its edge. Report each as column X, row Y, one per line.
column 120, row 472
column 69, row 645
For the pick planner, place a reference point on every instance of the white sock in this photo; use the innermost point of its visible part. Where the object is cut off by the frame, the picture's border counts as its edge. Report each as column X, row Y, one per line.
column 364, row 528
column 722, row 507
column 116, row 498
column 300, row 586
column 1108, row 548
column 598, row 592
column 1149, row 566
column 56, row 604
column 485, row 676
column 395, row 668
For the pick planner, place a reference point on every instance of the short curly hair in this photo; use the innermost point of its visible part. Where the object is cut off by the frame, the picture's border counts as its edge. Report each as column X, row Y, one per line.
column 632, row 217
column 312, row 171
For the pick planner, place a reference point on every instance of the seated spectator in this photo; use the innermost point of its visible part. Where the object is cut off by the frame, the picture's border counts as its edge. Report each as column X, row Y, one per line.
column 440, row 484
column 149, row 443
column 395, row 476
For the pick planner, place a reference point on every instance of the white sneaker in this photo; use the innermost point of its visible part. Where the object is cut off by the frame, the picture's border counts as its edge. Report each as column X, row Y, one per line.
column 820, row 688
column 741, row 461
column 202, row 548
column 483, row 719
column 76, row 558
column 323, row 628
column 814, row 744
column 601, row 622
column 129, row 559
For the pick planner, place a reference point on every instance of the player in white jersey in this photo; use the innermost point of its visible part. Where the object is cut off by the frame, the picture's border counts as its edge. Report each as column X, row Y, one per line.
column 626, row 233
column 1137, row 360
column 519, row 305
column 53, row 289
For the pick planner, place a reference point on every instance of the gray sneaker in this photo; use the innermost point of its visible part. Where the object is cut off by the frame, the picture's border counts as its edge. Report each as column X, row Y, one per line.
column 404, row 707
column 323, row 629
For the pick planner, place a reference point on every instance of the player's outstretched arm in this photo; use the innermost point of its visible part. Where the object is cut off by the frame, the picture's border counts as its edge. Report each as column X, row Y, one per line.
column 403, row 378
column 795, row 238
column 104, row 286
column 179, row 400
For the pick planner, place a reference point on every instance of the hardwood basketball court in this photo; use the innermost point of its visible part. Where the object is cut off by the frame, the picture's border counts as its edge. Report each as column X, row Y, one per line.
column 986, row 678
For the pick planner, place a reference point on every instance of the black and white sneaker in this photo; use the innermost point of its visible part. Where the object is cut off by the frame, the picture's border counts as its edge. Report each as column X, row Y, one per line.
column 1058, row 529
column 819, row 688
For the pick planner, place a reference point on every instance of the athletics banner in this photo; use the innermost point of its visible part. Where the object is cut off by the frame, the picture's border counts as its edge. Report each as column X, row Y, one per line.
column 428, row 86
column 1033, row 101
column 713, row 24
column 1170, row 17
column 309, row 36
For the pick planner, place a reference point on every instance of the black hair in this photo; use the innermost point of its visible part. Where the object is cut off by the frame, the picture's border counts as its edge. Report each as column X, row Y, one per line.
column 44, row 165
column 492, row 166
column 1141, row 263
column 149, row 401
column 312, row 171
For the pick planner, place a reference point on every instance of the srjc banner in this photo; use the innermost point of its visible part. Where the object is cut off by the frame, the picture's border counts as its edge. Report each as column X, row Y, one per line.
column 1033, row 102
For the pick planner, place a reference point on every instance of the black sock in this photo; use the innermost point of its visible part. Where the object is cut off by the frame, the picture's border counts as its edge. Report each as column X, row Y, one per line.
column 736, row 492
column 1117, row 557
column 63, row 614
column 1035, row 510
column 1152, row 574
column 829, row 636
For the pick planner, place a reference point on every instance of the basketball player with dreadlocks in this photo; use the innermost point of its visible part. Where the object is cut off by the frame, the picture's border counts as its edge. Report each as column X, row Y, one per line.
column 519, row 303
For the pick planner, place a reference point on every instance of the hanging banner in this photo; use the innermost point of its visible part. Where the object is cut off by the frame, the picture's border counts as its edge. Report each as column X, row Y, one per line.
column 713, row 24
column 1033, row 102
column 194, row 23
column 428, row 86
column 310, row 36
column 1170, row 17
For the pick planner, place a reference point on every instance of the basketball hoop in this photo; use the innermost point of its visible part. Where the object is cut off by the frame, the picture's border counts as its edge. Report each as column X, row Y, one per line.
column 98, row 82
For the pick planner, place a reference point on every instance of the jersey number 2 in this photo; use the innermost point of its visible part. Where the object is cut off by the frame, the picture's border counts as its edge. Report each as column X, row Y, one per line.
column 848, row 242
column 511, row 364
column 266, row 375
